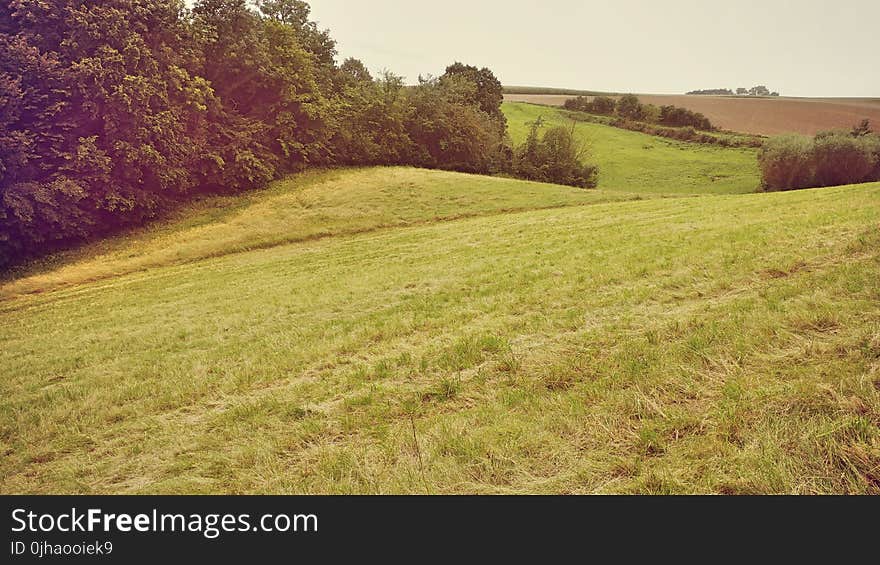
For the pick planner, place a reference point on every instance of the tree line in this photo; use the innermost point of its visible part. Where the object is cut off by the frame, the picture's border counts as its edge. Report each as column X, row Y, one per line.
column 112, row 112
column 831, row 158
column 629, row 107
column 759, row 90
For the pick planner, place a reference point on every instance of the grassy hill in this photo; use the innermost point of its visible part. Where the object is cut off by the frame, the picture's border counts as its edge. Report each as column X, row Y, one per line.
column 305, row 207
column 634, row 162
column 392, row 330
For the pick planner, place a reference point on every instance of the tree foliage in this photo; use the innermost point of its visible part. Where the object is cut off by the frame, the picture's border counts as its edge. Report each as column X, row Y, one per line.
column 630, row 108
column 830, row 159
column 113, row 111
column 554, row 156
column 488, row 94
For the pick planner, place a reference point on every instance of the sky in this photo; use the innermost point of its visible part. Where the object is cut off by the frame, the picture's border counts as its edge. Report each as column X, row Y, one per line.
column 799, row 48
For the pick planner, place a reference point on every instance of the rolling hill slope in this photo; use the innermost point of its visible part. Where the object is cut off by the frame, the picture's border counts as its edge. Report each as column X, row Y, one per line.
column 304, row 207
column 634, row 162
column 713, row 344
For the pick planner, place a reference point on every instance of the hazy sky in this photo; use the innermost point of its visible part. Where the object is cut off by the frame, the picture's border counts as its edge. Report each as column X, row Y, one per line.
column 801, row 48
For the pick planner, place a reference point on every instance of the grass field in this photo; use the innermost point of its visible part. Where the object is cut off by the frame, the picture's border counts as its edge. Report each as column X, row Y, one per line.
column 762, row 116
column 634, row 162
column 402, row 331
column 305, row 207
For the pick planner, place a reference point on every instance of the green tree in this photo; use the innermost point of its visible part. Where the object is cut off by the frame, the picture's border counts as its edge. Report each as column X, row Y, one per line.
column 630, row 108
column 109, row 119
column 450, row 134
column 355, row 70
column 488, row 95
column 555, row 157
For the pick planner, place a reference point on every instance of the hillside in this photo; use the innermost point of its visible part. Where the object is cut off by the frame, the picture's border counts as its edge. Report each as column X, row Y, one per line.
column 763, row 116
column 306, row 207
column 393, row 330
column 634, row 162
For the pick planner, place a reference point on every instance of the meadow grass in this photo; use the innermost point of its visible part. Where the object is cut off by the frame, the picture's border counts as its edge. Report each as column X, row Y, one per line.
column 311, row 205
column 635, row 162
column 724, row 344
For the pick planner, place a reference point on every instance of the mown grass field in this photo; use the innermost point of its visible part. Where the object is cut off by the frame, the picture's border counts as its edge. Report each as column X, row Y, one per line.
column 634, row 162
column 310, row 206
column 404, row 331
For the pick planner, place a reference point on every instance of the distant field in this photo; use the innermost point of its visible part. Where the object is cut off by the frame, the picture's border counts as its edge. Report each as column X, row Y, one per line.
column 515, row 90
column 720, row 344
column 764, row 116
column 633, row 162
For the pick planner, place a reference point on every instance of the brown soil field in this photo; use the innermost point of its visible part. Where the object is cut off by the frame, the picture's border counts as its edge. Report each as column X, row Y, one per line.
column 764, row 116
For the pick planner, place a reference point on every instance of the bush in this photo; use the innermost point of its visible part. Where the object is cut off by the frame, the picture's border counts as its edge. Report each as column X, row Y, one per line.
column 830, row 159
column 682, row 117
column 841, row 159
column 601, row 105
column 579, row 104
column 630, row 108
column 787, row 163
column 556, row 157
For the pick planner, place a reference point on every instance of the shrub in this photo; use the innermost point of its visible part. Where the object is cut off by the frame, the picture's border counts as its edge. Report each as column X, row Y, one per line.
column 681, row 117
column 830, row 159
column 602, row 105
column 555, row 157
column 841, row 159
column 579, row 104
column 786, row 163
column 630, row 108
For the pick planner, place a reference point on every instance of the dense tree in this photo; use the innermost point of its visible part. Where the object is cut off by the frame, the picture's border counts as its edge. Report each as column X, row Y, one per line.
column 841, row 159
column 630, row 108
column 113, row 111
column 354, row 70
column 108, row 119
column 489, row 93
column 448, row 132
column 370, row 126
column 786, row 163
column 603, row 105
column 295, row 15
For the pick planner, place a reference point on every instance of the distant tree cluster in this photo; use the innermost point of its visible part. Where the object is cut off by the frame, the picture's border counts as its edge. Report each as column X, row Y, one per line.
column 754, row 91
column 629, row 107
column 712, row 92
column 113, row 111
column 829, row 159
column 601, row 105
